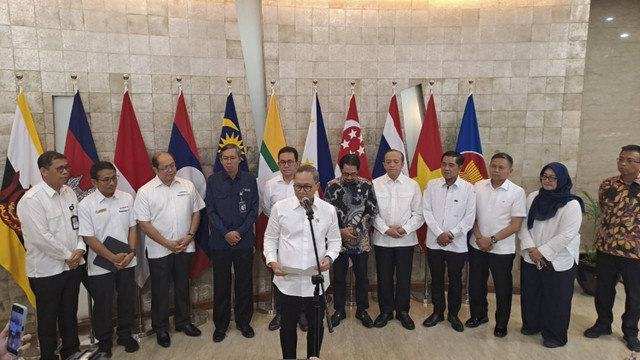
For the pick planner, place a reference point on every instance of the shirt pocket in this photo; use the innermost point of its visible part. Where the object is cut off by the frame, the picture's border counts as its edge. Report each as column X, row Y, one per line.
column 55, row 221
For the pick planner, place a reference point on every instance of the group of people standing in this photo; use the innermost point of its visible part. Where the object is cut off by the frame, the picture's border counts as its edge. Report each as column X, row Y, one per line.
column 354, row 216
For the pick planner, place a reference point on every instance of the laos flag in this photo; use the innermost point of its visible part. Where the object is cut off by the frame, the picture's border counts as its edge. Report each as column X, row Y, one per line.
column 469, row 145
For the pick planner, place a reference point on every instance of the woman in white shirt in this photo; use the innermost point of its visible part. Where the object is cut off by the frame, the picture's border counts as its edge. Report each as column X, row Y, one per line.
column 550, row 244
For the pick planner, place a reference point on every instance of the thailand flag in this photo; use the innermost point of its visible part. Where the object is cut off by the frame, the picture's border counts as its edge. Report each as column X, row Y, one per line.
column 183, row 148
column 316, row 149
column 391, row 139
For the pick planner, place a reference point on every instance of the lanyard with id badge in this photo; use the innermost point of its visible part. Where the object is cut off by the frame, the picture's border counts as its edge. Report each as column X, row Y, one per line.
column 242, row 205
column 74, row 217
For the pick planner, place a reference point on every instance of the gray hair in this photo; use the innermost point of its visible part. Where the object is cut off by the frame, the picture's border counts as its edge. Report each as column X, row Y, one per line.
column 232, row 146
column 309, row 169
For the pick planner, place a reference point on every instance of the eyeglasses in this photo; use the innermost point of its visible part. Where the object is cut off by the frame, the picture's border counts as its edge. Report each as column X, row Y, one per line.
column 306, row 187
column 350, row 175
column 548, row 178
column 171, row 166
column 286, row 163
column 627, row 161
column 108, row 180
column 62, row 169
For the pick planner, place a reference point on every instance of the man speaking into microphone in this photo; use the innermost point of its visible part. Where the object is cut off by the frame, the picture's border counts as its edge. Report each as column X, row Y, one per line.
column 288, row 243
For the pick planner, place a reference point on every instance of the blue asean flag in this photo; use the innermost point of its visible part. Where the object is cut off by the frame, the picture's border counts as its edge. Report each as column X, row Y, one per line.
column 469, row 145
column 231, row 135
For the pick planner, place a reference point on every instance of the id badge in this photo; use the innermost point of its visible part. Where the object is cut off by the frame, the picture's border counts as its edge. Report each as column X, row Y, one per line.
column 242, row 206
column 74, row 222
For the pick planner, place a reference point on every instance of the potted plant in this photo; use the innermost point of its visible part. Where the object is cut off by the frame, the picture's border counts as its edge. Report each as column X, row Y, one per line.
column 587, row 263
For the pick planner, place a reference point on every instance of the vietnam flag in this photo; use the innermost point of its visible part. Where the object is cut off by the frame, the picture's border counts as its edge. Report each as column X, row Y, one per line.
column 391, row 139
column 426, row 161
column 474, row 168
column 316, row 148
column 20, row 173
column 133, row 165
column 352, row 141
column 185, row 152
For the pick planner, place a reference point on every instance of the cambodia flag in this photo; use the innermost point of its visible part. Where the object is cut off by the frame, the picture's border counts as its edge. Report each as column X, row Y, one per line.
column 316, row 149
column 183, row 148
column 391, row 139
column 474, row 168
column 80, row 150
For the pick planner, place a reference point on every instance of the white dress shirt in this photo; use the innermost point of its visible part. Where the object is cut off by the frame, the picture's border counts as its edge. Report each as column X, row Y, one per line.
column 494, row 210
column 287, row 241
column 49, row 237
column 557, row 239
column 449, row 209
column 102, row 217
column 275, row 190
column 169, row 210
column 399, row 203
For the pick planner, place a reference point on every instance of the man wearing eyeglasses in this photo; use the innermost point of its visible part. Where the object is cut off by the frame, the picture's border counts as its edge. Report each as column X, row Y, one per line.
column 232, row 206
column 356, row 205
column 288, row 242
column 277, row 188
column 48, row 213
column 168, row 211
column 108, row 214
column 618, row 248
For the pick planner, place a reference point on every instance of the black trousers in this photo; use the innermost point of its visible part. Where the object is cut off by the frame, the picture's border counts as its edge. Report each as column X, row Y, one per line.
column 176, row 267
column 480, row 263
column 453, row 262
column 57, row 303
column 102, row 288
column 290, row 313
column 340, row 267
column 390, row 260
column 545, row 299
column 608, row 268
column 242, row 262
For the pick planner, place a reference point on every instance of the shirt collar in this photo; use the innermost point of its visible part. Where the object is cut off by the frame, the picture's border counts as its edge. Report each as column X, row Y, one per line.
column 100, row 197
column 313, row 206
column 505, row 185
column 400, row 178
column 50, row 191
column 158, row 182
column 456, row 183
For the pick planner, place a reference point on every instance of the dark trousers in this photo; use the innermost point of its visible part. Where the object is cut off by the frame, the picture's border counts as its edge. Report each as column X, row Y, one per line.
column 390, row 260
column 545, row 299
column 608, row 268
column 480, row 263
column 453, row 262
column 176, row 267
column 340, row 267
column 290, row 313
column 242, row 262
column 57, row 303
column 102, row 289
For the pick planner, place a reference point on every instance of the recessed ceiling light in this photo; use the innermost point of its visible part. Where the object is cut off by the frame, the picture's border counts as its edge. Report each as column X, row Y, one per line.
column 609, row 18
column 625, row 35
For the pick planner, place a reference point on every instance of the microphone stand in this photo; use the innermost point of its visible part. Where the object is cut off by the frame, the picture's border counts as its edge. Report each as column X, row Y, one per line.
column 318, row 281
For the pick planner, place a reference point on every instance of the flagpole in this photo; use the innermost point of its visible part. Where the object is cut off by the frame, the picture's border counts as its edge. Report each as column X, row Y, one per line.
column 353, row 85
column 74, row 82
column 179, row 80
column 229, row 81
column 470, row 86
column 19, row 77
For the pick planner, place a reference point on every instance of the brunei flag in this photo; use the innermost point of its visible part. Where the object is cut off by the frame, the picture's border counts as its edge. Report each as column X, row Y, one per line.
column 469, row 145
column 391, row 139
column 425, row 165
column 231, row 135
column 20, row 173
column 80, row 150
column 184, row 150
column 316, row 149
column 272, row 142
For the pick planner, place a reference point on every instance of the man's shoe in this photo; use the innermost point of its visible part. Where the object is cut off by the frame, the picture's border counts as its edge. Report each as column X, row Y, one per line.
column 130, row 344
column 189, row 330
column 456, row 324
column 474, row 322
column 527, row 331
column 551, row 344
column 219, row 335
column 275, row 322
column 433, row 320
column 246, row 330
column 336, row 317
column 500, row 331
column 633, row 343
column 382, row 320
column 405, row 320
column 596, row 331
column 105, row 348
column 163, row 339
column 365, row 318
column 303, row 323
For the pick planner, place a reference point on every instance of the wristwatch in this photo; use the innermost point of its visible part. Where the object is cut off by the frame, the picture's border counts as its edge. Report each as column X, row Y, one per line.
column 191, row 234
column 131, row 251
column 494, row 240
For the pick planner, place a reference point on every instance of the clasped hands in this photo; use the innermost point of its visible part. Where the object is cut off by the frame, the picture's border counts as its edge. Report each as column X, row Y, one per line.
column 74, row 261
column 179, row 245
column 396, row 231
column 445, row 238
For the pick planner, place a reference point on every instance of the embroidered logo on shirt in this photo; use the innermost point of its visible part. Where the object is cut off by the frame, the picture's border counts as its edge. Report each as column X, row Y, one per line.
column 101, row 210
column 123, row 209
column 183, row 193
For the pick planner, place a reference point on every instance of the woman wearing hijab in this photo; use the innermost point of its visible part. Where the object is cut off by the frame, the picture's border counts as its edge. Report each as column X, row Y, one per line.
column 550, row 245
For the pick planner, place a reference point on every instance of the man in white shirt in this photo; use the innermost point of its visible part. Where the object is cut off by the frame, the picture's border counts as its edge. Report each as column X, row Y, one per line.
column 108, row 213
column 288, row 242
column 449, row 208
column 168, row 211
column 48, row 213
column 500, row 207
column 394, row 238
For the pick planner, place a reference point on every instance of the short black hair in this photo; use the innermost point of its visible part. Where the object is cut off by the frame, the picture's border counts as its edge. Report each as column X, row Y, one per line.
column 631, row 147
column 505, row 156
column 454, row 154
column 46, row 159
column 350, row 159
column 394, row 150
column 154, row 158
column 289, row 149
column 99, row 166
column 229, row 147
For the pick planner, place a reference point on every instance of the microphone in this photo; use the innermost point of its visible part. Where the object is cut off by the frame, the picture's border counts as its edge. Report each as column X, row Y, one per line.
column 307, row 204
